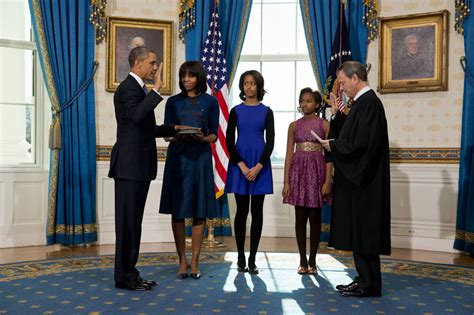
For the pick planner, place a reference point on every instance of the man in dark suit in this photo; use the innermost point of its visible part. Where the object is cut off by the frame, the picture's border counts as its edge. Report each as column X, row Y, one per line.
column 133, row 164
column 360, row 218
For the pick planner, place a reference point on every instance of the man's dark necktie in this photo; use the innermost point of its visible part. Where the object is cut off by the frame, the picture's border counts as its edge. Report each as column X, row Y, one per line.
column 145, row 89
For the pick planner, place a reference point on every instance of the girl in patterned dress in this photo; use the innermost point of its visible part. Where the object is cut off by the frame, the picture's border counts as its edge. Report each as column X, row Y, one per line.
column 307, row 180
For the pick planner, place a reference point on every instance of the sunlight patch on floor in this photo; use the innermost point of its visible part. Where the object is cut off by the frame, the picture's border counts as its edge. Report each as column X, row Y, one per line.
column 278, row 273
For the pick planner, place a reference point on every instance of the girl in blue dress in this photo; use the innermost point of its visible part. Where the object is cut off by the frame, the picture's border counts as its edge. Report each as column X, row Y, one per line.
column 188, row 180
column 249, row 175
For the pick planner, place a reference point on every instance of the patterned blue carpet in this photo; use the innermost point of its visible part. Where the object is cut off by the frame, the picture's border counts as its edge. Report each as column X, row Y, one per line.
column 85, row 286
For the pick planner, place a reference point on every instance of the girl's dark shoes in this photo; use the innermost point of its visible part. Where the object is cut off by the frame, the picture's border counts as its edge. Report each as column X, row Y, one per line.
column 253, row 270
column 241, row 265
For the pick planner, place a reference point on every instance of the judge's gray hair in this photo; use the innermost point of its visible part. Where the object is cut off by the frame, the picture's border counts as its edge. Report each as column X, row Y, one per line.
column 138, row 54
column 353, row 67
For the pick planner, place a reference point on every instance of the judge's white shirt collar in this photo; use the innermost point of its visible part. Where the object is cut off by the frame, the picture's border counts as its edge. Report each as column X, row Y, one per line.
column 362, row 91
column 139, row 80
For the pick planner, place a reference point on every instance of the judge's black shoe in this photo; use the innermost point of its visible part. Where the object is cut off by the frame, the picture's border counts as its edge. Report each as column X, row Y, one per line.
column 149, row 283
column 358, row 292
column 349, row 287
column 132, row 286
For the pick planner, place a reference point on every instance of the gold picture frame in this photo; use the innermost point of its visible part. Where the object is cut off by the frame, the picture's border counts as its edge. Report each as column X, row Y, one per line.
column 127, row 33
column 413, row 53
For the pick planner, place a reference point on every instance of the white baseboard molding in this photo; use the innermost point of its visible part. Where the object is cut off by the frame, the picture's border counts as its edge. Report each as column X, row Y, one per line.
column 423, row 243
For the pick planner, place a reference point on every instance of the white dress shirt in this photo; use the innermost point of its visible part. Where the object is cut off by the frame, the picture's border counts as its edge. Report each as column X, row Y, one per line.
column 140, row 81
column 361, row 92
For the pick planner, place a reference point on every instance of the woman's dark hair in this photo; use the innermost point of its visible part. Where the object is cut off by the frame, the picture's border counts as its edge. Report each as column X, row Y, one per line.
column 258, row 80
column 316, row 96
column 193, row 68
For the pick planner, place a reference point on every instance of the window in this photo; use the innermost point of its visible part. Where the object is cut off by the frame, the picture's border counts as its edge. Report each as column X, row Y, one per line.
column 18, row 86
column 275, row 45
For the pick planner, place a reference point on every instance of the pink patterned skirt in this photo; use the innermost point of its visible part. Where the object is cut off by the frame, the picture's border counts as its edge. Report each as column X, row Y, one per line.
column 306, row 178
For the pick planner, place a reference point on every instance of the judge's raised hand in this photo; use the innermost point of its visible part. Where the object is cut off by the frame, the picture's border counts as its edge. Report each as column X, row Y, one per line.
column 333, row 99
column 158, row 82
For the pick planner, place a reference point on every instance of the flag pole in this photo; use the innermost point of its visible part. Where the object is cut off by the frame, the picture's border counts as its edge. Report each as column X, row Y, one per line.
column 210, row 242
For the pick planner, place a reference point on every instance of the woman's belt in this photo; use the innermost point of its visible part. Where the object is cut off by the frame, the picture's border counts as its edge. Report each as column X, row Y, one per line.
column 309, row 146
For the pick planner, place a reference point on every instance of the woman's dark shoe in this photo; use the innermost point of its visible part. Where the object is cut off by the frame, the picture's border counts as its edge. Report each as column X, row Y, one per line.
column 182, row 275
column 195, row 275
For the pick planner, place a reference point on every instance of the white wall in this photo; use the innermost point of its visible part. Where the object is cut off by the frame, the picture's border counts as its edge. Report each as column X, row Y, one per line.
column 423, row 208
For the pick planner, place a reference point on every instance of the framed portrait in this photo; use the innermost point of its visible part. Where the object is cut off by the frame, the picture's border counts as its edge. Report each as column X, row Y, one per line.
column 413, row 53
column 124, row 34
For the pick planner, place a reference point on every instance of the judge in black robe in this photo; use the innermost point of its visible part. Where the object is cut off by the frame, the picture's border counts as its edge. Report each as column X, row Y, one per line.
column 360, row 219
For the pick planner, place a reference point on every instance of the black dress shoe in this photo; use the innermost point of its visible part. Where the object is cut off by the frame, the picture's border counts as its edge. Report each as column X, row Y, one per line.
column 360, row 293
column 150, row 283
column 132, row 286
column 349, row 287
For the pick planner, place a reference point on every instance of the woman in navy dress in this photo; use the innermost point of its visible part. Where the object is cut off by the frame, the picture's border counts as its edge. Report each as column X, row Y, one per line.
column 249, row 175
column 188, row 180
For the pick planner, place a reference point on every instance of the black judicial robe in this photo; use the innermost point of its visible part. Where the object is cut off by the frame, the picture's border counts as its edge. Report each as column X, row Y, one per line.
column 360, row 218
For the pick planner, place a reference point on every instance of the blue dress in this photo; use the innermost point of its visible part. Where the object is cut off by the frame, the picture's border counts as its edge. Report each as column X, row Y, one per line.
column 251, row 147
column 188, row 180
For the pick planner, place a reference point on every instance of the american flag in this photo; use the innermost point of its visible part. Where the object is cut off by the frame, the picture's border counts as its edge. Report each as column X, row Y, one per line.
column 214, row 63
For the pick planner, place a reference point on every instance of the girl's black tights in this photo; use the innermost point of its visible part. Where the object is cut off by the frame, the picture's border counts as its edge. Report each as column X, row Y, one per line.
column 301, row 219
column 256, row 207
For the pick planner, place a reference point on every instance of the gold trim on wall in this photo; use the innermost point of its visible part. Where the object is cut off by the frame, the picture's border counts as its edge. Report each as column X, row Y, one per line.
column 425, row 155
column 103, row 153
column 142, row 29
column 397, row 155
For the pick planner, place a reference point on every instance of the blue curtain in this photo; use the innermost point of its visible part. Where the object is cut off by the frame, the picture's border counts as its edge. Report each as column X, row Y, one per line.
column 233, row 21
column 65, row 40
column 465, row 213
column 320, row 20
